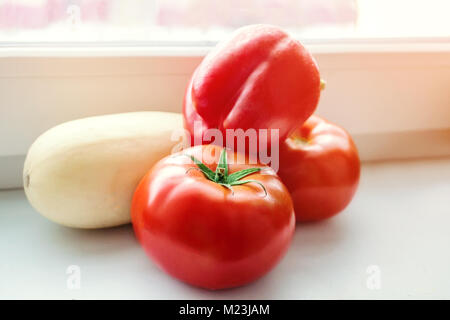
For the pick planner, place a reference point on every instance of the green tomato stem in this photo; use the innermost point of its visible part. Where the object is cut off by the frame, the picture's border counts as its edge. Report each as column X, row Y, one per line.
column 221, row 176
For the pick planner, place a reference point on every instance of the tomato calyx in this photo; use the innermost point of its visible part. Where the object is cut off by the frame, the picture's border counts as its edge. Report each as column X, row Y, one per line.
column 221, row 175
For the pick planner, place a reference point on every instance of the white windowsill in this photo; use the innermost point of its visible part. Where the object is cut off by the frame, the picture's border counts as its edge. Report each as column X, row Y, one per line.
column 397, row 221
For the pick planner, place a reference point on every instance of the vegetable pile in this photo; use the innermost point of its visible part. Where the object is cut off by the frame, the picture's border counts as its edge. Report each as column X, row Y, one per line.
column 215, row 215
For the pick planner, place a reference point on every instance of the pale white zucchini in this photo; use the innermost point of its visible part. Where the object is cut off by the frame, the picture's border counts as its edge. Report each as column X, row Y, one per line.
column 83, row 173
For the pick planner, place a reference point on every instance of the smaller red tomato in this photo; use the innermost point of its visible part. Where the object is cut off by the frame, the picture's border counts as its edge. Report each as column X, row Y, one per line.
column 211, row 224
column 319, row 164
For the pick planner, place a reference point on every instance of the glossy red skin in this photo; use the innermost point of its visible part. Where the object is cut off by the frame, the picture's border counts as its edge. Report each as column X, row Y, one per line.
column 200, row 233
column 260, row 78
column 322, row 172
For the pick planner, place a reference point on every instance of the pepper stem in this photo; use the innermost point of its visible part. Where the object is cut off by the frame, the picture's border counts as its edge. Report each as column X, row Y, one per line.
column 322, row 84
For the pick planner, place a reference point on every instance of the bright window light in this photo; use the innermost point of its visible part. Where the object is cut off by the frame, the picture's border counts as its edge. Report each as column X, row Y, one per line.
column 167, row 22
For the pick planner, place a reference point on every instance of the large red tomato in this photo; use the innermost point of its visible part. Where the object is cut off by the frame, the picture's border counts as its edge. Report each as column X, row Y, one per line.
column 212, row 224
column 319, row 164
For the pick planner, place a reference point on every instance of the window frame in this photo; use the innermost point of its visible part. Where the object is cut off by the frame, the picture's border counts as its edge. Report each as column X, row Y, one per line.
column 41, row 86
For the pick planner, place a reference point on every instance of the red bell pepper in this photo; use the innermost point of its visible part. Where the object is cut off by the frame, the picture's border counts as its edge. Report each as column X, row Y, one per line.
column 261, row 78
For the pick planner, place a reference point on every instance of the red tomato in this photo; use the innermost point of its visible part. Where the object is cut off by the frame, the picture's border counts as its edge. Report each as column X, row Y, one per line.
column 319, row 164
column 213, row 229
column 261, row 78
